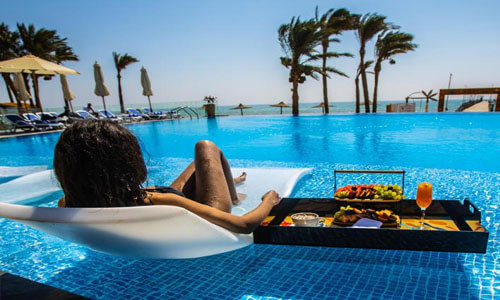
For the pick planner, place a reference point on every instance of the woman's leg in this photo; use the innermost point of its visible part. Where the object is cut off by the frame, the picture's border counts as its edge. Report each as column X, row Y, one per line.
column 186, row 182
column 213, row 188
column 208, row 179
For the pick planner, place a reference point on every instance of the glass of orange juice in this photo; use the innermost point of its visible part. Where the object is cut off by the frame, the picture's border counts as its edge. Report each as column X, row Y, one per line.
column 424, row 199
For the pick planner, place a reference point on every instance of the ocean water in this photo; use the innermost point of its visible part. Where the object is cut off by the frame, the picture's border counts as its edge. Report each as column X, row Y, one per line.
column 458, row 153
column 266, row 109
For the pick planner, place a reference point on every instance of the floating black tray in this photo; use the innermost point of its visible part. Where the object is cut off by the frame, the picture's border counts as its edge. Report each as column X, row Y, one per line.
column 465, row 239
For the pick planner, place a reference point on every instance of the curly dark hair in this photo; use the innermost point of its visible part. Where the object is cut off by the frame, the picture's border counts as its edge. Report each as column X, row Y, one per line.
column 100, row 164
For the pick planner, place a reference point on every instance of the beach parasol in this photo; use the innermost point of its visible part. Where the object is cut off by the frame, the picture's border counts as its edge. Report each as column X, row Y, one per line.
column 280, row 105
column 146, row 86
column 67, row 93
column 322, row 105
column 241, row 107
column 34, row 66
column 100, row 87
column 20, row 88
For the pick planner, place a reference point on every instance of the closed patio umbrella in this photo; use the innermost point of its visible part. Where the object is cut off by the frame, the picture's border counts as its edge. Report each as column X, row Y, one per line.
column 67, row 93
column 322, row 105
column 22, row 93
column 241, row 107
column 280, row 105
column 20, row 88
column 100, row 87
column 146, row 86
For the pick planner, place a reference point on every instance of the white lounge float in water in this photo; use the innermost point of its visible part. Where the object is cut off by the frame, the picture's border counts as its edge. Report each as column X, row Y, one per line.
column 145, row 231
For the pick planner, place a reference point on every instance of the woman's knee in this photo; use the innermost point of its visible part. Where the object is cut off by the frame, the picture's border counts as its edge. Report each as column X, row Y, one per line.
column 205, row 145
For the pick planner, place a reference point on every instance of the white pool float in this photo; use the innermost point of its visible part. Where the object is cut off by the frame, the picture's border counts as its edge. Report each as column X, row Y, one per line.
column 146, row 231
column 19, row 171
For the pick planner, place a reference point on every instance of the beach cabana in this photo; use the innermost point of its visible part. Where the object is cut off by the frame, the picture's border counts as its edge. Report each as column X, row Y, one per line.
column 34, row 65
column 280, row 105
column 322, row 105
column 241, row 107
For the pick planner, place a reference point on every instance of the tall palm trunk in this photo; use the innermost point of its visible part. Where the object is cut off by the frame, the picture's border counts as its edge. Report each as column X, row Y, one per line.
column 356, row 81
column 325, row 78
column 6, row 79
column 364, row 81
column 378, row 68
column 295, row 95
column 34, row 78
column 120, row 94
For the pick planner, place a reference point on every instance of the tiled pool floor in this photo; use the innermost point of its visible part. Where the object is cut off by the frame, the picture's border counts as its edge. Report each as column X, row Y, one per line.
column 271, row 271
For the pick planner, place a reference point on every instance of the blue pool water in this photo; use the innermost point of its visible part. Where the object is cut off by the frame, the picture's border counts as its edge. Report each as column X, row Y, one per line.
column 458, row 153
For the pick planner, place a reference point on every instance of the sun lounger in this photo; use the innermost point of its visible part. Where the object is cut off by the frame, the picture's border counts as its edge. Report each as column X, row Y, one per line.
column 110, row 116
column 43, row 123
column 86, row 115
column 151, row 116
column 159, row 114
column 144, row 231
column 135, row 113
column 50, row 116
column 19, row 123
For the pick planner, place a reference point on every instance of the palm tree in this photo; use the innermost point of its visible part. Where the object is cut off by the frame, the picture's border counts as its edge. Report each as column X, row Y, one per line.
column 121, row 62
column 429, row 96
column 46, row 44
column 9, row 48
column 356, row 82
column 298, row 40
column 368, row 26
column 333, row 22
column 388, row 45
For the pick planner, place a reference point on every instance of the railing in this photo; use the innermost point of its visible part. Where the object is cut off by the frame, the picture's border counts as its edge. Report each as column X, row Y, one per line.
column 186, row 109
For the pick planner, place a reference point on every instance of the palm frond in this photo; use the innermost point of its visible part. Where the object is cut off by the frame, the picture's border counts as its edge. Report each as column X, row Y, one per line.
column 335, row 71
column 122, row 61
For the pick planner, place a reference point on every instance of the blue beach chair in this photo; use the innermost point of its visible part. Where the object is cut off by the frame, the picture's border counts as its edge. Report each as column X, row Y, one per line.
column 19, row 123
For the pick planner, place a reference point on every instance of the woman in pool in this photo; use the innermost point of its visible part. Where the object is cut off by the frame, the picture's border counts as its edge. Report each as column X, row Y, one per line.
column 100, row 164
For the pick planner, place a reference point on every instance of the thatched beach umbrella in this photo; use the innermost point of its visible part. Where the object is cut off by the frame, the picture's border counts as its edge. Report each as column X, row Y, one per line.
column 35, row 66
column 322, row 105
column 146, row 86
column 100, row 87
column 280, row 105
column 67, row 93
column 241, row 107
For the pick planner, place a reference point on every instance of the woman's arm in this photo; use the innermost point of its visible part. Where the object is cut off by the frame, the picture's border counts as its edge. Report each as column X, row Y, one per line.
column 238, row 224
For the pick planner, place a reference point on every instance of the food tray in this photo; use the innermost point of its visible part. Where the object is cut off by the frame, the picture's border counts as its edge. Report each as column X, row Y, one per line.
column 453, row 226
column 402, row 173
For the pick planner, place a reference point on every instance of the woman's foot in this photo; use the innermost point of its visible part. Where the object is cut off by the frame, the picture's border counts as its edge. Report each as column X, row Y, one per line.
column 241, row 178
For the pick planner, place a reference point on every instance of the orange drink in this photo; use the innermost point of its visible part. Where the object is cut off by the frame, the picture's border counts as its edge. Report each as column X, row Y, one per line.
column 424, row 199
column 424, row 195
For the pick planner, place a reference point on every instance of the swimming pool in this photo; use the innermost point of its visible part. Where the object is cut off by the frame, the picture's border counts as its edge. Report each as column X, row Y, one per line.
column 458, row 153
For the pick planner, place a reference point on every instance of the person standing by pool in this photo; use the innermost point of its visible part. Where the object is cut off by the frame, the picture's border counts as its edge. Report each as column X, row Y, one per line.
column 100, row 164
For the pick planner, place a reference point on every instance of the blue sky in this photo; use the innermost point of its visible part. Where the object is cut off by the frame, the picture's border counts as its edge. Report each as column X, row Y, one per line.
column 230, row 49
